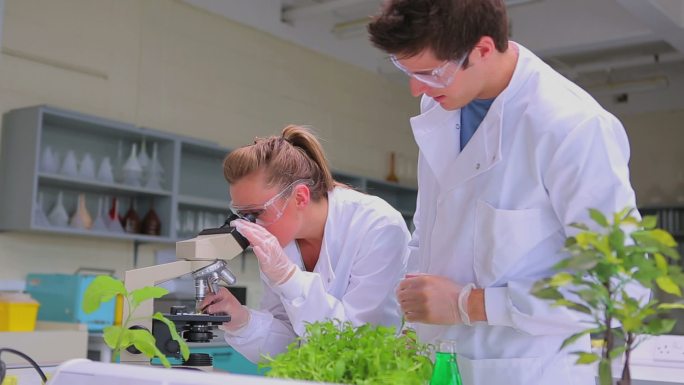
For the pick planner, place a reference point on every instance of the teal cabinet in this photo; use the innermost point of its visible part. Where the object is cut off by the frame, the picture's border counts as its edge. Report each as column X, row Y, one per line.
column 228, row 359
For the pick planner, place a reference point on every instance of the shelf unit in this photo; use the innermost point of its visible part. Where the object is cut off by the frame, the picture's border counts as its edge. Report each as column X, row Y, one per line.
column 28, row 133
column 193, row 193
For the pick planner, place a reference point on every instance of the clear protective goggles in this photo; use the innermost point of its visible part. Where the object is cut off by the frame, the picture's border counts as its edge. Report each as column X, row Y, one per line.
column 272, row 210
column 439, row 77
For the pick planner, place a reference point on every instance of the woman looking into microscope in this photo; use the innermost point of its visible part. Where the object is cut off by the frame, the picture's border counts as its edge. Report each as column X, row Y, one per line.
column 325, row 251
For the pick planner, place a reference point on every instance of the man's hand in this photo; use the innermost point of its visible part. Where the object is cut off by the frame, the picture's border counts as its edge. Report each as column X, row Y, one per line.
column 429, row 299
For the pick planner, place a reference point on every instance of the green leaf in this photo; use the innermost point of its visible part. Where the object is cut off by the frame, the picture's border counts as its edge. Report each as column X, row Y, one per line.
column 145, row 293
column 573, row 305
column 631, row 324
column 586, row 358
column 561, row 279
column 111, row 335
column 144, row 341
column 659, row 326
column 667, row 285
column 581, row 262
column 580, row 226
column 661, row 262
column 548, row 293
column 102, row 289
column 617, row 240
column 670, row 306
column 185, row 351
column 649, row 222
column 663, row 237
column 598, row 217
column 573, row 338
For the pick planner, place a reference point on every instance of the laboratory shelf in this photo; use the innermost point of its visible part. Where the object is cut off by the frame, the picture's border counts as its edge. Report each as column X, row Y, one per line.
column 103, row 234
column 37, row 140
column 96, row 186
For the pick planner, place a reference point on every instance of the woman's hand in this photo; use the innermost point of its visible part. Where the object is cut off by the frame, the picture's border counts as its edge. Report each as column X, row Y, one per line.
column 273, row 261
column 226, row 303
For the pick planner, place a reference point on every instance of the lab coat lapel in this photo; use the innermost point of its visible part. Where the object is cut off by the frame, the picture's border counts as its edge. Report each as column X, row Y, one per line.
column 436, row 135
column 439, row 142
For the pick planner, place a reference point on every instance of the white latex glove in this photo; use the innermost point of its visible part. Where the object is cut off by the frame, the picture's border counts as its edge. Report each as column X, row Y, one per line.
column 225, row 302
column 433, row 299
column 273, row 261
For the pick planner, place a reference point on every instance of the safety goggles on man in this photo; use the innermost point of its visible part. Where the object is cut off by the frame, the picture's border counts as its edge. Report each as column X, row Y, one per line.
column 270, row 211
column 439, row 77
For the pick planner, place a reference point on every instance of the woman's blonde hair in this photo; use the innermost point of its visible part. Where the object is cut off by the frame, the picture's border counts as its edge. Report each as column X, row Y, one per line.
column 295, row 154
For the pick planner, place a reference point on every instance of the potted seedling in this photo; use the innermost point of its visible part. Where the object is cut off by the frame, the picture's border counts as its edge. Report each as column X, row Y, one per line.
column 102, row 289
column 337, row 352
column 605, row 260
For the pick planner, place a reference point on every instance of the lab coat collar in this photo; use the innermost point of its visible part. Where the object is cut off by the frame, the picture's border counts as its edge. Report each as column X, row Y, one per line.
column 439, row 140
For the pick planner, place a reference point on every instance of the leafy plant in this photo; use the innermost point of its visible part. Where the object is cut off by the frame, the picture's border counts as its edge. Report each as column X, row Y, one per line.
column 102, row 289
column 596, row 276
column 334, row 351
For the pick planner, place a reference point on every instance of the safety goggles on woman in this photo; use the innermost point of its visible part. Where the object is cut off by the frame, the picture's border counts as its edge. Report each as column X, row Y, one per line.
column 270, row 211
column 439, row 77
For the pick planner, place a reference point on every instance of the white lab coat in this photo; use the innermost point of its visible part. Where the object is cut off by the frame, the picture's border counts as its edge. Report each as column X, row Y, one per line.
column 363, row 256
column 497, row 215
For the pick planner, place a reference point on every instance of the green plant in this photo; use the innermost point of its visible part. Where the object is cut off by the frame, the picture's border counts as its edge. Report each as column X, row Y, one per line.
column 102, row 289
column 334, row 351
column 595, row 280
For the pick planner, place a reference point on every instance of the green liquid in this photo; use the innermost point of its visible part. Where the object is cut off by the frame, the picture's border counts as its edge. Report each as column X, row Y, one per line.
column 446, row 370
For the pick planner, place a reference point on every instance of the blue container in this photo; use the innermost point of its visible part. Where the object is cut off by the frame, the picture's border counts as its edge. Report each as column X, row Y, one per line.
column 61, row 296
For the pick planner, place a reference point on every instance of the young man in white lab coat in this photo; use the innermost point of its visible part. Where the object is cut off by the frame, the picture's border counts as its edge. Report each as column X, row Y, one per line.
column 510, row 154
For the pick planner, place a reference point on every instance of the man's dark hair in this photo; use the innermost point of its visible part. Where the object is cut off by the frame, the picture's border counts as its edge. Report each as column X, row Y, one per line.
column 450, row 28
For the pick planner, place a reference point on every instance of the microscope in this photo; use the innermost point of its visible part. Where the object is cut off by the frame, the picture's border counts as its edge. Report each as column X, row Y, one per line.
column 205, row 258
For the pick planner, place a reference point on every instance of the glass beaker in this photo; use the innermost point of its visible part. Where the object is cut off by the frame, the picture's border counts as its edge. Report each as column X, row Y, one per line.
column 445, row 371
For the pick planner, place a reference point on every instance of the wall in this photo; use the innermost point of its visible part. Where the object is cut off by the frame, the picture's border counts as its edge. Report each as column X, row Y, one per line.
column 167, row 65
column 657, row 163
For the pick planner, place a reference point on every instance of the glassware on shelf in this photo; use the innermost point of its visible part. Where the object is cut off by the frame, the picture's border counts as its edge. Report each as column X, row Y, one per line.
column 58, row 215
column 114, row 219
column 39, row 217
column 143, row 159
column 132, row 171
column 200, row 222
column 189, row 222
column 445, row 371
column 87, row 167
column 69, row 165
column 154, row 173
column 151, row 225
column 131, row 221
column 105, row 173
column 100, row 223
column 81, row 218
column 118, row 163
column 155, row 159
column 49, row 161
column 209, row 220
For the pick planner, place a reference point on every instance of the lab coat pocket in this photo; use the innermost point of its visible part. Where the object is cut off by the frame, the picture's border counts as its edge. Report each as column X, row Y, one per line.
column 503, row 237
column 508, row 371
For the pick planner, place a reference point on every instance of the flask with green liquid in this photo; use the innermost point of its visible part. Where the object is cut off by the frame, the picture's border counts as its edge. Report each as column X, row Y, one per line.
column 446, row 370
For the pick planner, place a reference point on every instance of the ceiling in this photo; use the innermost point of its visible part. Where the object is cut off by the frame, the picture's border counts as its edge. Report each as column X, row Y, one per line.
column 595, row 42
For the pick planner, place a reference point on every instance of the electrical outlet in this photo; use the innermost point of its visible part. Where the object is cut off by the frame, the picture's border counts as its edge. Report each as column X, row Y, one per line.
column 669, row 348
